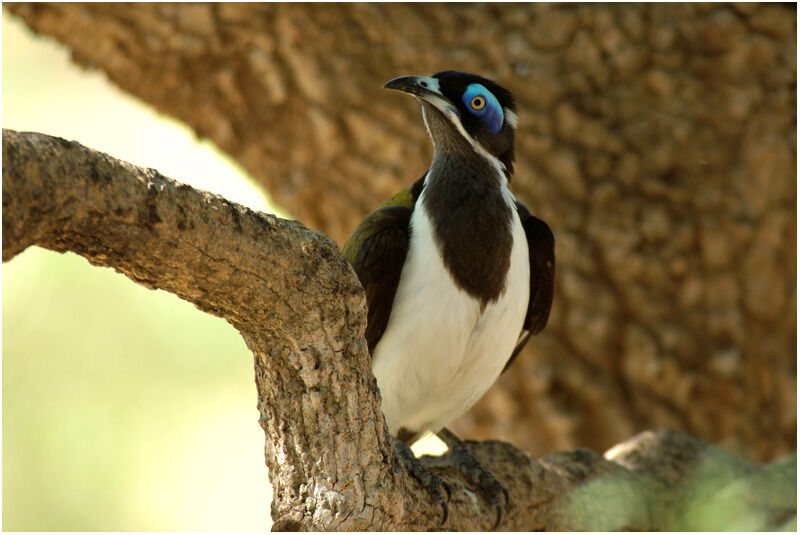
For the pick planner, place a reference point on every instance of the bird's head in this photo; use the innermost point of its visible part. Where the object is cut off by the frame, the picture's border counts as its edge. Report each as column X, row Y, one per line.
column 465, row 112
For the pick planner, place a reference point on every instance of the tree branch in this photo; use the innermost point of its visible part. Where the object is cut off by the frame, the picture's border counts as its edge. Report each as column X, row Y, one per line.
column 301, row 311
column 287, row 290
column 658, row 140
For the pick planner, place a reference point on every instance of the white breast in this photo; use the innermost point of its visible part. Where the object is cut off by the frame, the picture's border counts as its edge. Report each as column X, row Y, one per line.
column 440, row 353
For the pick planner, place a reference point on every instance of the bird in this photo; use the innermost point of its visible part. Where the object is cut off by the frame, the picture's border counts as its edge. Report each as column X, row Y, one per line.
column 458, row 274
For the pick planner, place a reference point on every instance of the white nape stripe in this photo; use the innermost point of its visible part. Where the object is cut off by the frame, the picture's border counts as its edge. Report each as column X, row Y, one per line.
column 511, row 117
column 456, row 120
column 451, row 113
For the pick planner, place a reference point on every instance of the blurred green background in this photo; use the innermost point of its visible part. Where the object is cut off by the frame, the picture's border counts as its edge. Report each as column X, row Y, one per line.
column 123, row 408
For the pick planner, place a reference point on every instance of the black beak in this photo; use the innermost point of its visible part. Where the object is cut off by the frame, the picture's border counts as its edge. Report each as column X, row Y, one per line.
column 424, row 88
column 420, row 86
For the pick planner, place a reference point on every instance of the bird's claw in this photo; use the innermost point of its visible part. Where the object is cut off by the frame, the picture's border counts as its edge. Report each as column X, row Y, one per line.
column 432, row 483
column 440, row 484
column 499, row 510
column 492, row 490
column 489, row 486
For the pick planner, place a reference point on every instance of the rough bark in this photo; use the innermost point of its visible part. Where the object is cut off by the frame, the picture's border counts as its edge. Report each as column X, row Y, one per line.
column 286, row 289
column 658, row 140
column 301, row 311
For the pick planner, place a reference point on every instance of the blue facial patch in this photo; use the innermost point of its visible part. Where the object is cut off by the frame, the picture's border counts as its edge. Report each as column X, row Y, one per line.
column 484, row 105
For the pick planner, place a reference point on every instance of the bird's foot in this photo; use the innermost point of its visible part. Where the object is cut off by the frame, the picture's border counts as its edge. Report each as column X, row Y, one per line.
column 468, row 464
column 435, row 485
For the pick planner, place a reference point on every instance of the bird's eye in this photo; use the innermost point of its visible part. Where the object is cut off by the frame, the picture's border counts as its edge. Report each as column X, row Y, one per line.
column 477, row 103
column 482, row 104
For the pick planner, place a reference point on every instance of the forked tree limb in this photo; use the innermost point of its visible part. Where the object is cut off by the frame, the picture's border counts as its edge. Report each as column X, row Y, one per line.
column 300, row 309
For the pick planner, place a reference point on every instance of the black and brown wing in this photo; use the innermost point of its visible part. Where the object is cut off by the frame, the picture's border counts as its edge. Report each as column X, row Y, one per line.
column 377, row 249
column 541, row 251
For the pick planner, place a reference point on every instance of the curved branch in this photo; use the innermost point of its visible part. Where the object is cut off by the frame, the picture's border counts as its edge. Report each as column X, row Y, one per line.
column 301, row 311
column 287, row 290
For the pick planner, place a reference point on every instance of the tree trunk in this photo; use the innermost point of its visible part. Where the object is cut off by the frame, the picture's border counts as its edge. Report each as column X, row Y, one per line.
column 302, row 312
column 657, row 140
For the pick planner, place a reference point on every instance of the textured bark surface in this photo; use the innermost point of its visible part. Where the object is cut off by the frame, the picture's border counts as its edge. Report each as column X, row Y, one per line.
column 657, row 140
column 286, row 289
column 299, row 307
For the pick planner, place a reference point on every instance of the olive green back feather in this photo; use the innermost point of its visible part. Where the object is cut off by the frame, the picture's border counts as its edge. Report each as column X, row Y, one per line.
column 371, row 224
